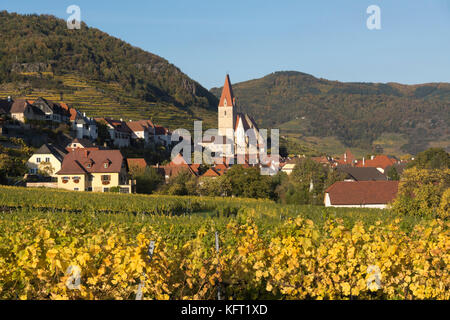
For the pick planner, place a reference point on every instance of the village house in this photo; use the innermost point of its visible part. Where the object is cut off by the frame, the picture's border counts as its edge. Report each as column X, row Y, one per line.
column 323, row 160
column 347, row 159
column 23, row 111
column 381, row 162
column 84, row 127
column 80, row 144
column 175, row 167
column 94, row 170
column 53, row 111
column 362, row 194
column 136, row 164
column 119, row 132
column 162, row 136
column 46, row 160
column 142, row 130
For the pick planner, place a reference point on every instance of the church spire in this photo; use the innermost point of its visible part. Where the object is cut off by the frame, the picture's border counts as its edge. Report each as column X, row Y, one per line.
column 227, row 97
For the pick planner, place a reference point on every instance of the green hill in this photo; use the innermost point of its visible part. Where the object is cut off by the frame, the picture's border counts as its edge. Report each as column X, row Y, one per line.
column 332, row 115
column 95, row 72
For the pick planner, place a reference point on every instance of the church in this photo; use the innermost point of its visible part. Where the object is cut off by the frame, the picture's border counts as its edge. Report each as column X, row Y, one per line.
column 238, row 135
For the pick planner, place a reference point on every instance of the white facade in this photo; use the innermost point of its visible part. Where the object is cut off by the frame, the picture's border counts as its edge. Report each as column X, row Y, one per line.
column 374, row 206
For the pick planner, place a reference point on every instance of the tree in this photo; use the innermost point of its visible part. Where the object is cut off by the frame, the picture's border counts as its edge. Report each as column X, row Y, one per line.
column 147, row 179
column 307, row 183
column 421, row 192
column 183, row 184
column 392, row 174
column 433, row 158
column 248, row 182
column 215, row 187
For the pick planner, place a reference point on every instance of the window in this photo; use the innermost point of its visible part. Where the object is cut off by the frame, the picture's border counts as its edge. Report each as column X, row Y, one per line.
column 105, row 165
column 47, row 159
column 106, row 178
column 105, row 189
column 124, row 190
column 38, row 160
column 89, row 165
column 76, row 189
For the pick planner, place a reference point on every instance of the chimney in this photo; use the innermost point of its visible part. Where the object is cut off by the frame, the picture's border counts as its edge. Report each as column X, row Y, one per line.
column 157, row 165
column 121, row 120
column 345, row 156
column 84, row 114
column 104, row 144
column 9, row 98
column 364, row 161
column 371, row 157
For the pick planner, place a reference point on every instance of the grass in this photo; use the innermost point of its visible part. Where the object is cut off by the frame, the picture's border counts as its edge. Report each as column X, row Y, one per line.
column 14, row 200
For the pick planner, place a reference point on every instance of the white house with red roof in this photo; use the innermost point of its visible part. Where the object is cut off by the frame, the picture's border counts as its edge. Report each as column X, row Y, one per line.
column 361, row 194
column 142, row 130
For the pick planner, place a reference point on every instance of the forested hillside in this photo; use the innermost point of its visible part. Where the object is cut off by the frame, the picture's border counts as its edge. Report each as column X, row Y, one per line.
column 40, row 55
column 358, row 114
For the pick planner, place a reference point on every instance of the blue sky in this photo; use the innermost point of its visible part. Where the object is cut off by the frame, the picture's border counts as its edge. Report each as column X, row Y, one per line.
column 252, row 38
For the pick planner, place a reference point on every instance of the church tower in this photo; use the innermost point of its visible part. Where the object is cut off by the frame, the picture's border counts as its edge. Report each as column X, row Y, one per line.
column 227, row 108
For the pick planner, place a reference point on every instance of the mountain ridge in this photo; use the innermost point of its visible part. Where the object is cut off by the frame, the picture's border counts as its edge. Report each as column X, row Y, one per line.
column 40, row 47
column 357, row 113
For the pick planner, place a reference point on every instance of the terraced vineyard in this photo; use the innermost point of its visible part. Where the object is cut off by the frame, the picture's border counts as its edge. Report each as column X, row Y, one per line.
column 100, row 99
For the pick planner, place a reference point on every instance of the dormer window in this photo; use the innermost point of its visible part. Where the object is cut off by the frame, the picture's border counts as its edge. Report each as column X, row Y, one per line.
column 106, row 163
column 225, row 102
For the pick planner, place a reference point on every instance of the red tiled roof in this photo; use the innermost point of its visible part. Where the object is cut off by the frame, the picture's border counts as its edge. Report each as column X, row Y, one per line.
column 195, row 167
column 178, row 160
column 211, row 173
column 77, row 161
column 19, row 106
column 139, row 125
column 322, row 160
column 118, row 125
column 362, row 192
column 380, row 161
column 136, row 163
column 174, row 170
column 221, row 168
column 227, row 93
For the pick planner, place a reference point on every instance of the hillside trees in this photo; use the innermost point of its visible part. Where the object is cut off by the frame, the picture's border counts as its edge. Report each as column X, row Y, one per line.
column 43, row 43
column 433, row 158
column 307, row 183
column 423, row 192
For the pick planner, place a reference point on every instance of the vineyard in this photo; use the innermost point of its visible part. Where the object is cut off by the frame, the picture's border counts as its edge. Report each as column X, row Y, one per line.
column 66, row 245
